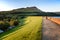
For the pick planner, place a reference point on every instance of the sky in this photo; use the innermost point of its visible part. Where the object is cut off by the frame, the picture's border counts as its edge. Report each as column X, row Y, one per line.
column 44, row 5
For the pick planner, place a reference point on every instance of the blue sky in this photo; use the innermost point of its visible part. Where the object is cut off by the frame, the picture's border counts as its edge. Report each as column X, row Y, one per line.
column 44, row 5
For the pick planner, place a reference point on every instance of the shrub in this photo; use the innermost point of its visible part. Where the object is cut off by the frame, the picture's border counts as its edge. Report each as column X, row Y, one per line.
column 4, row 26
column 1, row 25
column 22, row 17
column 16, row 23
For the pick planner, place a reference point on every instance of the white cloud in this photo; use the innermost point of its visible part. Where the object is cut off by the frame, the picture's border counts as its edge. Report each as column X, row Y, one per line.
column 4, row 7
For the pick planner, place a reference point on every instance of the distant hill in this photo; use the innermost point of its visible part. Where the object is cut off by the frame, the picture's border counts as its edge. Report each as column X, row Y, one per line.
column 30, row 11
column 27, row 9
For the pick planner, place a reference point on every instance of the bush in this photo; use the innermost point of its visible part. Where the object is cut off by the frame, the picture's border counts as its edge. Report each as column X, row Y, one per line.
column 16, row 23
column 9, row 20
column 1, row 25
column 22, row 17
column 4, row 26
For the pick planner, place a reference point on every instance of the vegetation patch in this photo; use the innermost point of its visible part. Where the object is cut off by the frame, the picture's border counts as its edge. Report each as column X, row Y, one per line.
column 10, row 24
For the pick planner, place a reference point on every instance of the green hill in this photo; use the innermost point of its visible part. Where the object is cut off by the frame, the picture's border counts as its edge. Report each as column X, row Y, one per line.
column 30, row 11
column 27, row 9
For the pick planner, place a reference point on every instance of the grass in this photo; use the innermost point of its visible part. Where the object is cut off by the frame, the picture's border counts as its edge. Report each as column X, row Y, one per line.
column 30, row 31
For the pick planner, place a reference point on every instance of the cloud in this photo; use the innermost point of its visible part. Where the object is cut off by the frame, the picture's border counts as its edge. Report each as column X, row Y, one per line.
column 4, row 7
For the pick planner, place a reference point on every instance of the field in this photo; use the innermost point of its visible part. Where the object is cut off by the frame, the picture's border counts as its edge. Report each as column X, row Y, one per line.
column 30, row 31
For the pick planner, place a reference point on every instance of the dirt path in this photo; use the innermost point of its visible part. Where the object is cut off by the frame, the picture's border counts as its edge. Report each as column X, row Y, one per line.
column 51, row 31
